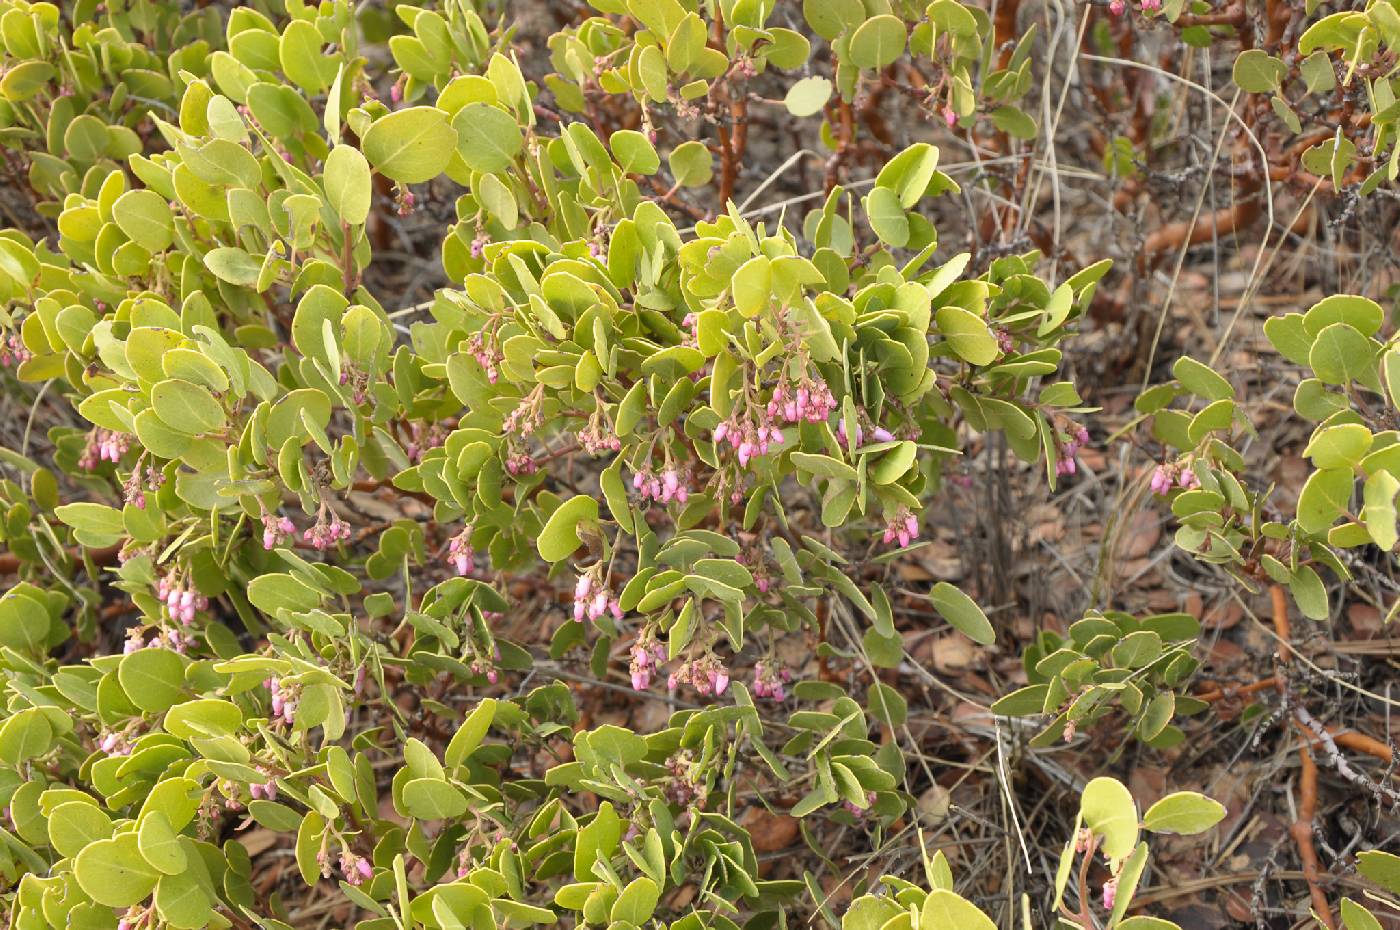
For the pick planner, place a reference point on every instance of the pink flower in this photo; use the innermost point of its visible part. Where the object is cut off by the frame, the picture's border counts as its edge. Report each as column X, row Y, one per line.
column 1161, row 479
column 1110, row 892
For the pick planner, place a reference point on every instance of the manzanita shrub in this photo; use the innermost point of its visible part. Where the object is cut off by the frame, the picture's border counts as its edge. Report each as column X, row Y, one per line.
column 710, row 429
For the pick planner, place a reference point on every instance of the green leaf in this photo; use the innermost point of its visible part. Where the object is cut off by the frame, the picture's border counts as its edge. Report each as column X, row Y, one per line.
column 410, row 146
column 1378, row 512
column 1108, row 809
column 1257, row 72
column 348, row 187
column 186, row 407
column 1356, row 917
column 75, row 824
column 1184, row 812
column 753, row 285
column 114, row 873
column 182, row 901
column 1201, row 380
column 963, row 613
column 488, row 138
column 1340, row 354
column 1325, row 497
column 598, row 839
column 887, row 217
column 691, row 164
column 878, row 42
column 1341, row 446
column 160, row 845
column 152, row 678
column 559, row 537
column 146, row 219
column 470, row 734
column 637, row 902
column 1383, row 868
column 233, row 265
column 1014, row 122
column 808, row 96
column 968, row 335
column 634, row 152
column 1360, row 313
column 24, row 621
column 433, row 799
column 1128, row 877
column 947, row 910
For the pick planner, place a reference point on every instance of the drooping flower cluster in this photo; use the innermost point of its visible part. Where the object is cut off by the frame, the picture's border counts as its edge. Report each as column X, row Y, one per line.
column 1069, row 448
column 1119, row 7
column 326, row 533
column 284, row 699
column 1170, row 475
column 527, row 415
column 707, row 675
column 266, row 791
column 904, row 527
column 769, row 679
column 114, row 744
column 810, row 400
column 276, row 530
column 460, row 553
column 485, row 353
column 749, row 439
column 103, row 445
column 856, row 811
column 592, row 599
column 180, row 599
column 422, row 438
column 648, row 656
column 671, row 484
column 596, row 438
column 139, row 482
column 877, row 434
column 13, row 351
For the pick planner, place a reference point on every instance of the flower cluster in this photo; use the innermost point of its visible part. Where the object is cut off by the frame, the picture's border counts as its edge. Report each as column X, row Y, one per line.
column 522, row 463
column 103, row 445
column 878, row 434
column 139, row 482
column 114, row 744
column 707, row 675
column 284, row 699
column 13, row 350
column 356, row 869
column 1069, row 448
column 486, row 354
column 1170, row 475
column 769, row 679
column 460, row 553
column 326, row 533
column 592, row 599
column 811, row 401
column 597, row 439
column 181, row 600
column 904, row 527
column 747, row 438
column 648, row 655
column 670, row 485
column 1119, row 7
column 276, row 530
column 267, row 791
column 856, row 811
column 422, row 438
